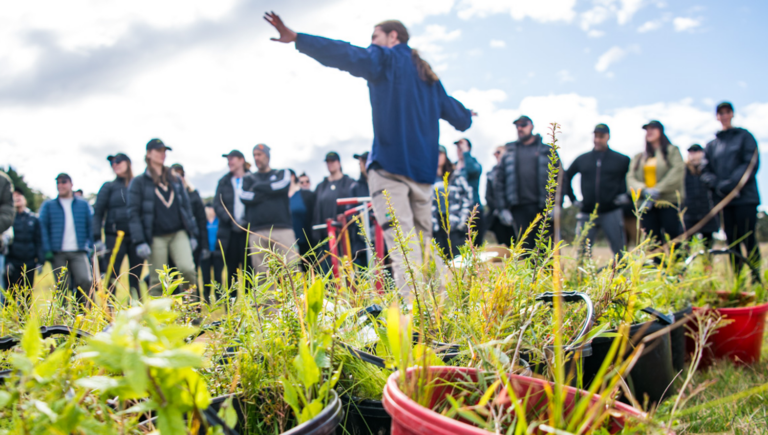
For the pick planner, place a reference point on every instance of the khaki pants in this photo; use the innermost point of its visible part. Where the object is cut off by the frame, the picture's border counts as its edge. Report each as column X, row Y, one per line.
column 177, row 248
column 279, row 240
column 412, row 203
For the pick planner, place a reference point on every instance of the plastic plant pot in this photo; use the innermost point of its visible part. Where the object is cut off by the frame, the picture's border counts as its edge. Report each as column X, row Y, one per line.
column 678, row 340
column 653, row 373
column 363, row 417
column 410, row 418
column 741, row 337
column 325, row 423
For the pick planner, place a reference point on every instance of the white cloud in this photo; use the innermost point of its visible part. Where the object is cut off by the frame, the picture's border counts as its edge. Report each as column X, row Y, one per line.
column 565, row 76
column 594, row 33
column 540, row 10
column 602, row 10
column 649, row 26
column 497, row 43
column 683, row 24
column 430, row 43
column 613, row 55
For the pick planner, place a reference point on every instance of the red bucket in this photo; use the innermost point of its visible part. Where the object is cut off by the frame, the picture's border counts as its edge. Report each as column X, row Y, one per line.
column 410, row 418
column 741, row 339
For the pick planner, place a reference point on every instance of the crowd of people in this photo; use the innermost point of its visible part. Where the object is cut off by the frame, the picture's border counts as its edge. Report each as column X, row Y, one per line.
column 165, row 221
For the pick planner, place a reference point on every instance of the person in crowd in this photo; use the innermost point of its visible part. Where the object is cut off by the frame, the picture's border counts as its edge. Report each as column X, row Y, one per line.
column 230, row 210
column 304, row 181
column 78, row 193
column 336, row 185
column 505, row 233
column 110, row 215
column 65, row 223
column 521, row 179
column 456, row 211
column 728, row 158
column 471, row 170
column 198, row 211
column 360, row 190
column 302, row 209
column 268, row 211
column 25, row 253
column 407, row 101
column 659, row 173
column 603, row 185
column 7, row 213
column 161, row 220
column 698, row 198
column 211, row 261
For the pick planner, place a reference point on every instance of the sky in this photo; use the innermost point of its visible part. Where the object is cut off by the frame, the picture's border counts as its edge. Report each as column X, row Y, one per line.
column 83, row 79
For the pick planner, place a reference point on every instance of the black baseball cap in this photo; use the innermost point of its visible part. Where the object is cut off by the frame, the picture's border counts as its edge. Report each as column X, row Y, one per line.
column 522, row 118
column 178, row 166
column 234, row 153
column 363, row 156
column 724, row 105
column 654, row 124
column 156, row 144
column 332, row 156
column 695, row 147
column 18, row 189
column 464, row 138
column 602, row 128
column 63, row 176
column 118, row 158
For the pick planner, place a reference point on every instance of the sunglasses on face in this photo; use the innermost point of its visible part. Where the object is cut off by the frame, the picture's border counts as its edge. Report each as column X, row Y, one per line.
column 522, row 124
column 497, row 153
column 62, row 181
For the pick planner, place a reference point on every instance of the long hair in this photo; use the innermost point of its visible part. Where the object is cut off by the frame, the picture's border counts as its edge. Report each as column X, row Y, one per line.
column 422, row 66
column 664, row 143
column 128, row 173
column 448, row 167
column 162, row 177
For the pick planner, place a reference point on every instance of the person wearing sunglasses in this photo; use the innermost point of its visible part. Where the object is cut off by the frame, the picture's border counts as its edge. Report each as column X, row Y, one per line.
column 66, row 222
column 110, row 215
column 504, row 232
column 521, row 181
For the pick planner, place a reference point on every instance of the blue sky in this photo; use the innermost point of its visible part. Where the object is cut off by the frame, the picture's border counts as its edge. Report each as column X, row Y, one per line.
column 84, row 79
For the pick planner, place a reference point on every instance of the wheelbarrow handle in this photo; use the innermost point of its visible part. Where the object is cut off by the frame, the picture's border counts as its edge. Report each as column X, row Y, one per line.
column 574, row 296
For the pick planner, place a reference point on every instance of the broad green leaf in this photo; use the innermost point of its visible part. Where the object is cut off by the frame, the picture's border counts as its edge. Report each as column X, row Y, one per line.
column 228, row 413
column 199, row 389
column 314, row 301
column 101, row 383
column 5, row 397
column 393, row 333
column 425, row 356
column 290, row 396
column 305, row 366
column 51, row 364
column 21, row 363
column 45, row 409
column 32, row 341
column 141, row 407
column 170, row 421
column 173, row 359
column 135, row 371
column 311, row 411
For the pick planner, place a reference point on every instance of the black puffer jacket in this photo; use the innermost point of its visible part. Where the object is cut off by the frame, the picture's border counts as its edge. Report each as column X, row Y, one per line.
column 728, row 157
column 225, row 194
column 27, row 246
column 603, row 179
column 141, row 208
column 698, row 202
column 506, row 179
column 111, row 209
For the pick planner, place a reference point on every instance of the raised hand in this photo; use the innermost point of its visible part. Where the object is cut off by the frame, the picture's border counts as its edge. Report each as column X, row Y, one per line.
column 286, row 35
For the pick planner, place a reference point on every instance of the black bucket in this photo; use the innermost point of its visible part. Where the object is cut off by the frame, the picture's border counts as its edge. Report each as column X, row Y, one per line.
column 364, row 417
column 677, row 339
column 653, row 373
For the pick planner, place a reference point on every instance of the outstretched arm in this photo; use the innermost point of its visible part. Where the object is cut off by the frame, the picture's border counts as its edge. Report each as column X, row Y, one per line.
column 360, row 62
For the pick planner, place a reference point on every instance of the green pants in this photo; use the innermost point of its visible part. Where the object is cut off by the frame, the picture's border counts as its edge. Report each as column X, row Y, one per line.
column 174, row 247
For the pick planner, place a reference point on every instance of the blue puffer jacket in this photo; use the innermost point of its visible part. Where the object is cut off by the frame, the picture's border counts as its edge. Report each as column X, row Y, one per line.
column 52, row 224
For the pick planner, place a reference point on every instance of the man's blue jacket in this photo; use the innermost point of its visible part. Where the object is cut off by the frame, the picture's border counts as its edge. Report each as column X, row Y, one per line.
column 52, row 224
column 405, row 109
